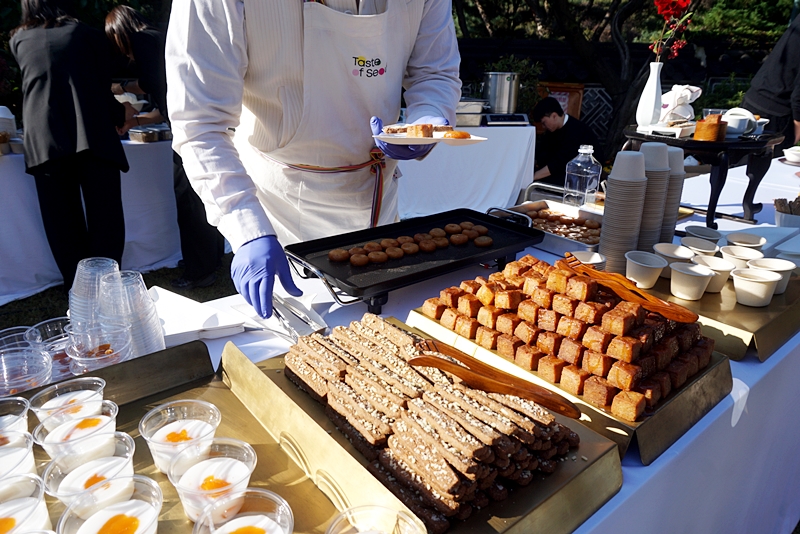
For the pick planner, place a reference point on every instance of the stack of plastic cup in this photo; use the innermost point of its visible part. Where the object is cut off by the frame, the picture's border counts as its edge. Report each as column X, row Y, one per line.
column 85, row 292
column 97, row 346
column 124, row 299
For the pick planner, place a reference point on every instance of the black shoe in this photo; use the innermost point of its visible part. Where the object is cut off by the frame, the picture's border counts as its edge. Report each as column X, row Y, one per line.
column 181, row 264
column 183, row 283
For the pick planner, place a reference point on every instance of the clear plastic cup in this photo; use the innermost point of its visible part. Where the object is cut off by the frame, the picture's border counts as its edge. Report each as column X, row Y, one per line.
column 68, row 393
column 375, row 520
column 88, row 273
column 49, row 335
column 14, row 337
column 22, row 497
column 94, row 347
column 253, row 507
column 136, row 496
column 124, row 298
column 68, row 485
column 207, row 471
column 73, row 442
column 14, row 414
column 16, row 454
column 191, row 421
column 23, row 368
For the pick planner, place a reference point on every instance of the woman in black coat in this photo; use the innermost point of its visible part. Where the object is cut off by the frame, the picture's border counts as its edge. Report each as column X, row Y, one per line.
column 71, row 143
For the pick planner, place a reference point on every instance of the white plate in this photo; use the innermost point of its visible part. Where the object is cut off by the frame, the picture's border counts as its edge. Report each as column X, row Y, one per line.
column 438, row 137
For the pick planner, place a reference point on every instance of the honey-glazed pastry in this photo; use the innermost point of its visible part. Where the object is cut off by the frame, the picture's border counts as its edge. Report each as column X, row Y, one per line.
column 466, row 225
column 591, row 224
column 422, row 237
column 459, row 239
column 372, row 247
column 554, row 217
column 453, row 228
column 388, row 243
column 359, row 260
column 457, row 134
column 471, row 234
column 409, row 248
column 403, row 239
column 483, row 241
column 358, row 250
column 394, row 253
column 441, row 242
column 437, row 232
column 427, row 245
column 482, row 230
column 378, row 257
column 566, row 219
column 338, row 254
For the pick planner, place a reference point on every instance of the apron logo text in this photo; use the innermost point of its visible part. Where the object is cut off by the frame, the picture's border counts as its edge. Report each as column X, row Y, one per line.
column 368, row 68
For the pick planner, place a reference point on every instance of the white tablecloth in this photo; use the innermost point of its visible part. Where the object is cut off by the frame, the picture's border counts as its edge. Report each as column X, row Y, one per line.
column 479, row 176
column 151, row 228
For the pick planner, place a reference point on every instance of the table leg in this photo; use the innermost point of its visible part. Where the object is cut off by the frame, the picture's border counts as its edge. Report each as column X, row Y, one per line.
column 757, row 167
column 719, row 173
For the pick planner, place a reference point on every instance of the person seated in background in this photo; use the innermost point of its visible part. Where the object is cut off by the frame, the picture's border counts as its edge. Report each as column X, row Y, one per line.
column 564, row 134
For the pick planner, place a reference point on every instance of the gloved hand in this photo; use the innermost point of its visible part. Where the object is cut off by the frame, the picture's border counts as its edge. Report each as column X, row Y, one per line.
column 403, row 152
column 253, row 271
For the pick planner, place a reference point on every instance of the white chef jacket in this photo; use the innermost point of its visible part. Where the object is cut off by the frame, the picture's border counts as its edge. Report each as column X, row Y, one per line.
column 207, row 61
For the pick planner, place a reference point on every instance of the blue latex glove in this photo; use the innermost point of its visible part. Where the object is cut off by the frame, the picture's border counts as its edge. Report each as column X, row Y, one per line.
column 403, row 152
column 253, row 271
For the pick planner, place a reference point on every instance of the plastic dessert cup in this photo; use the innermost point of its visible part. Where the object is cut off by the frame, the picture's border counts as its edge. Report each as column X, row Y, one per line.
column 74, row 442
column 259, row 508
column 23, row 368
column 703, row 232
column 375, row 519
column 673, row 254
column 739, row 256
column 68, row 485
column 16, row 455
column 14, row 414
column 722, row 269
column 644, row 268
column 776, row 265
column 22, row 499
column 700, row 246
column 49, row 335
column 98, row 346
column 205, row 472
column 689, row 280
column 172, row 426
column 75, row 391
column 136, row 496
column 754, row 287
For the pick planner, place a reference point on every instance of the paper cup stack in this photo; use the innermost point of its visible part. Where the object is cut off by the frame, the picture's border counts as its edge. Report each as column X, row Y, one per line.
column 674, row 191
column 625, row 196
column 656, row 169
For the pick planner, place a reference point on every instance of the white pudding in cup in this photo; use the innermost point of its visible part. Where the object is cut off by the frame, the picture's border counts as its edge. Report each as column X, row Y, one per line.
column 67, row 393
column 78, row 441
column 16, row 454
column 22, row 506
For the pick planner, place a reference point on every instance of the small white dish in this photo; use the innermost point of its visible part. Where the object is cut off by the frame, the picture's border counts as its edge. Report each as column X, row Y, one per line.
column 703, row 232
column 644, row 268
column 673, row 254
column 776, row 265
column 722, row 269
column 689, row 280
column 587, row 257
column 739, row 256
column 15, row 143
column 754, row 287
column 792, row 154
column 700, row 246
column 744, row 239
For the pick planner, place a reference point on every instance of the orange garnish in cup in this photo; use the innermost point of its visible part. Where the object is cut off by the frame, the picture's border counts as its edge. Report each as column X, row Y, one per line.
column 92, row 480
column 249, row 530
column 4, row 441
column 120, row 524
column 177, row 437
column 212, row 483
column 7, row 524
column 83, row 424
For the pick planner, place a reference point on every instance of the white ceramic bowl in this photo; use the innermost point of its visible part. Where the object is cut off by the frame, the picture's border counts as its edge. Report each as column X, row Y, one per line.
column 673, row 254
column 743, row 239
column 739, row 256
column 703, row 232
column 754, row 287
column 792, row 154
column 689, row 280
column 644, row 268
column 587, row 257
column 722, row 269
column 780, row 266
column 700, row 246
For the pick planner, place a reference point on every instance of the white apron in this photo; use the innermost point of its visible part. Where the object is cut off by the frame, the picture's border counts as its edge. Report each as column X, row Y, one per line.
column 353, row 68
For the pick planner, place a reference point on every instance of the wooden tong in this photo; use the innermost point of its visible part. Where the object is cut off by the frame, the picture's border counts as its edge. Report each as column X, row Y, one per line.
column 484, row 377
column 626, row 289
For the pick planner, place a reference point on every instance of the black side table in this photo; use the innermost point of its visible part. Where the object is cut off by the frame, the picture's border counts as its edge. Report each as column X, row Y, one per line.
column 722, row 155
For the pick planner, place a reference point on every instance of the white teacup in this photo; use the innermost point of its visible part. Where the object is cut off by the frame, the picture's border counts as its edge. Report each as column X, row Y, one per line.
column 739, row 125
column 760, row 123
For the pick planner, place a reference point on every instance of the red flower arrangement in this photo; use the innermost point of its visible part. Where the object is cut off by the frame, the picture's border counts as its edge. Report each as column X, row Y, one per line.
column 676, row 22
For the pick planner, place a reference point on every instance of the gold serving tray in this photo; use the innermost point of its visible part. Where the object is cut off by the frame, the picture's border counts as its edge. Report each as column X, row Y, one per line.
column 654, row 434
column 737, row 329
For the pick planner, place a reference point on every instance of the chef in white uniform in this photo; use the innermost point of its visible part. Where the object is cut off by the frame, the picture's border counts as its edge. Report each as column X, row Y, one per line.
column 274, row 104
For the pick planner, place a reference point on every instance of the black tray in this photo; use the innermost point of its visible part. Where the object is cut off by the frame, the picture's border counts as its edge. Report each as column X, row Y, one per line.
column 371, row 283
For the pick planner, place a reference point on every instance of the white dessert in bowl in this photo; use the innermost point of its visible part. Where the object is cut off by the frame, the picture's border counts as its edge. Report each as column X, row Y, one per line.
column 175, row 425
column 68, row 393
column 16, row 454
column 375, row 519
column 22, row 506
column 78, row 441
column 14, row 414
column 205, row 472
column 265, row 513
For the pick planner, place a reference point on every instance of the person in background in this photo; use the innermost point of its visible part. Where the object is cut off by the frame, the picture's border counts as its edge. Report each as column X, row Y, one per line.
column 202, row 246
column 564, row 134
column 305, row 85
column 774, row 92
column 71, row 144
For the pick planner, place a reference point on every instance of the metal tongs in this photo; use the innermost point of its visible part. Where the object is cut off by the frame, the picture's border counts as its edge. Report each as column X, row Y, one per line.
column 293, row 320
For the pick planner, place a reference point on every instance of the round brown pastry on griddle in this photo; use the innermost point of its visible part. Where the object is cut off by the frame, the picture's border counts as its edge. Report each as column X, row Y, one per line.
column 453, row 228
column 409, row 248
column 338, row 254
column 427, row 245
column 389, row 243
column 565, row 219
column 422, row 237
column 359, row 260
column 554, row 217
column 459, row 239
column 580, row 221
column 471, row 234
column 592, row 225
column 372, row 247
column 466, row 225
column 358, row 250
column 482, row 230
column 378, row 257
column 394, row 253
column 403, row 239
column 441, row 242
column 483, row 241
column 437, row 232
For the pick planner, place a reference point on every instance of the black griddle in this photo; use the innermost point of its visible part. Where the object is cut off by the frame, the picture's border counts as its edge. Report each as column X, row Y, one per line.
column 372, row 283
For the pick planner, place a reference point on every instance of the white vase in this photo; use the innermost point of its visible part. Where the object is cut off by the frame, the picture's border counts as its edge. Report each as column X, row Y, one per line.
column 649, row 109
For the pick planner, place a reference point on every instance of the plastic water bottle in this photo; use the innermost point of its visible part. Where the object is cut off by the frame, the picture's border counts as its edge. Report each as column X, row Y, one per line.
column 583, row 177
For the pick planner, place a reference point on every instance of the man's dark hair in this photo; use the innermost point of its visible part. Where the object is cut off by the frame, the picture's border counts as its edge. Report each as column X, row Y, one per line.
column 546, row 106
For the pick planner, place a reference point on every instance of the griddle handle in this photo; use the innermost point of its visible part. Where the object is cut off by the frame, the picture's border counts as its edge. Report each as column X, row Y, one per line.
column 307, row 267
column 512, row 213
